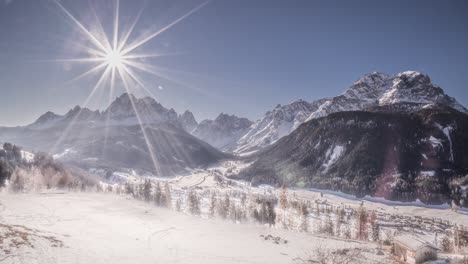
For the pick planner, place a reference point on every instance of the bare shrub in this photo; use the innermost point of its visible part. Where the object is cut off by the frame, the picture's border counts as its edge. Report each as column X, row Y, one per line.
column 340, row 256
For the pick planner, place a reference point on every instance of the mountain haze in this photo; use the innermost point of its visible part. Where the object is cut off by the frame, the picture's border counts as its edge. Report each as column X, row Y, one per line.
column 151, row 139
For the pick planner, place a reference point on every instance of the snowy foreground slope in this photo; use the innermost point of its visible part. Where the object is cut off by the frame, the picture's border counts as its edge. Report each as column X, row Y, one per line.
column 106, row 228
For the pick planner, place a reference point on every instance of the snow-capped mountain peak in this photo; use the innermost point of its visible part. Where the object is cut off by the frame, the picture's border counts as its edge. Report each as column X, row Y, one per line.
column 46, row 120
column 187, row 121
column 222, row 132
column 82, row 114
column 374, row 79
column 376, row 89
column 280, row 121
column 408, row 89
column 125, row 110
column 416, row 87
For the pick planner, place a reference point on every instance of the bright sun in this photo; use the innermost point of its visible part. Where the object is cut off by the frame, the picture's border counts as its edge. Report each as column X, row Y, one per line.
column 117, row 57
column 114, row 59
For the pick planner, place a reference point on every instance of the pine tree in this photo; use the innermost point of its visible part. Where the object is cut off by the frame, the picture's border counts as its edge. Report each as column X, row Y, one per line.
column 128, row 188
column 147, row 190
column 271, row 214
column 243, row 198
column 341, row 214
column 255, row 214
column 304, row 213
column 456, row 237
column 329, row 226
column 327, row 209
column 233, row 212
column 263, row 213
column 242, row 214
column 223, row 207
column 213, row 204
column 283, row 198
column 362, row 223
column 347, row 231
column 178, row 205
column 375, row 226
column 227, row 201
column 167, row 195
column 446, row 244
column 340, row 217
column 193, row 203
column 157, row 194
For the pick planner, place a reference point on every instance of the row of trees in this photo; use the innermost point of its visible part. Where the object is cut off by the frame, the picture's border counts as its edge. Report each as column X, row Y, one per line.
column 281, row 209
column 40, row 172
column 10, row 158
column 293, row 213
column 149, row 191
column 270, row 209
column 329, row 219
column 235, row 206
column 454, row 239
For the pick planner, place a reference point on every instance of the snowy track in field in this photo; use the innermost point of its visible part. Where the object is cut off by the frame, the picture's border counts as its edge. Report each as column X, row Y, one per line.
column 106, row 228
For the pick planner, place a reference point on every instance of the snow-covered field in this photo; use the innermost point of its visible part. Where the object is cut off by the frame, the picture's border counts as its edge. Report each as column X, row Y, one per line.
column 107, row 228
column 114, row 226
column 411, row 209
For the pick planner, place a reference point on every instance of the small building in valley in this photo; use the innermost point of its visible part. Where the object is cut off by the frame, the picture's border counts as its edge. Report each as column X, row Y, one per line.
column 411, row 249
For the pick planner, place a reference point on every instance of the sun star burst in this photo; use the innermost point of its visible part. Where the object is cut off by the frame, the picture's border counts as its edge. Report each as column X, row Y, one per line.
column 117, row 60
column 114, row 59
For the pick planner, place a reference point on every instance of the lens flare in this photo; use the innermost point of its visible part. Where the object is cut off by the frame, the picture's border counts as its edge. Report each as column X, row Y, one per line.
column 117, row 59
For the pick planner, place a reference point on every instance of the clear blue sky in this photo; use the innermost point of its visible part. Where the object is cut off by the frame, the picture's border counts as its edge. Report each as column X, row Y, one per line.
column 236, row 56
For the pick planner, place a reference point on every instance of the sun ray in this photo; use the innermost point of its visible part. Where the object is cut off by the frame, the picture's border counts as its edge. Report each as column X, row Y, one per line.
column 135, row 77
column 84, row 60
column 116, row 25
column 148, row 143
column 111, row 95
column 153, row 35
column 101, row 30
column 151, row 70
column 87, row 73
column 149, row 55
column 115, row 56
column 81, row 27
column 130, row 30
column 88, row 50
column 85, row 104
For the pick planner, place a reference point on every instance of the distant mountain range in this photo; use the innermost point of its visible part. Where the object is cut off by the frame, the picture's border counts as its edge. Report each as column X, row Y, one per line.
column 224, row 131
column 385, row 151
column 114, row 140
column 408, row 89
column 239, row 135
column 341, row 139
column 399, row 137
column 120, row 112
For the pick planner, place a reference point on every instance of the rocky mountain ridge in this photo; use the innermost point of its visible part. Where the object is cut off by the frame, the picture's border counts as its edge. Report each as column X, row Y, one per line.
column 410, row 89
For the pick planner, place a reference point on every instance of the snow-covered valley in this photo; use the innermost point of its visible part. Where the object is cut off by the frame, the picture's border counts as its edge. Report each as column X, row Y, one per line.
column 122, row 223
column 106, row 228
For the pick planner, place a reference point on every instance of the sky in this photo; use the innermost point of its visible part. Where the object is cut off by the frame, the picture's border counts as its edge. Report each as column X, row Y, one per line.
column 239, row 57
